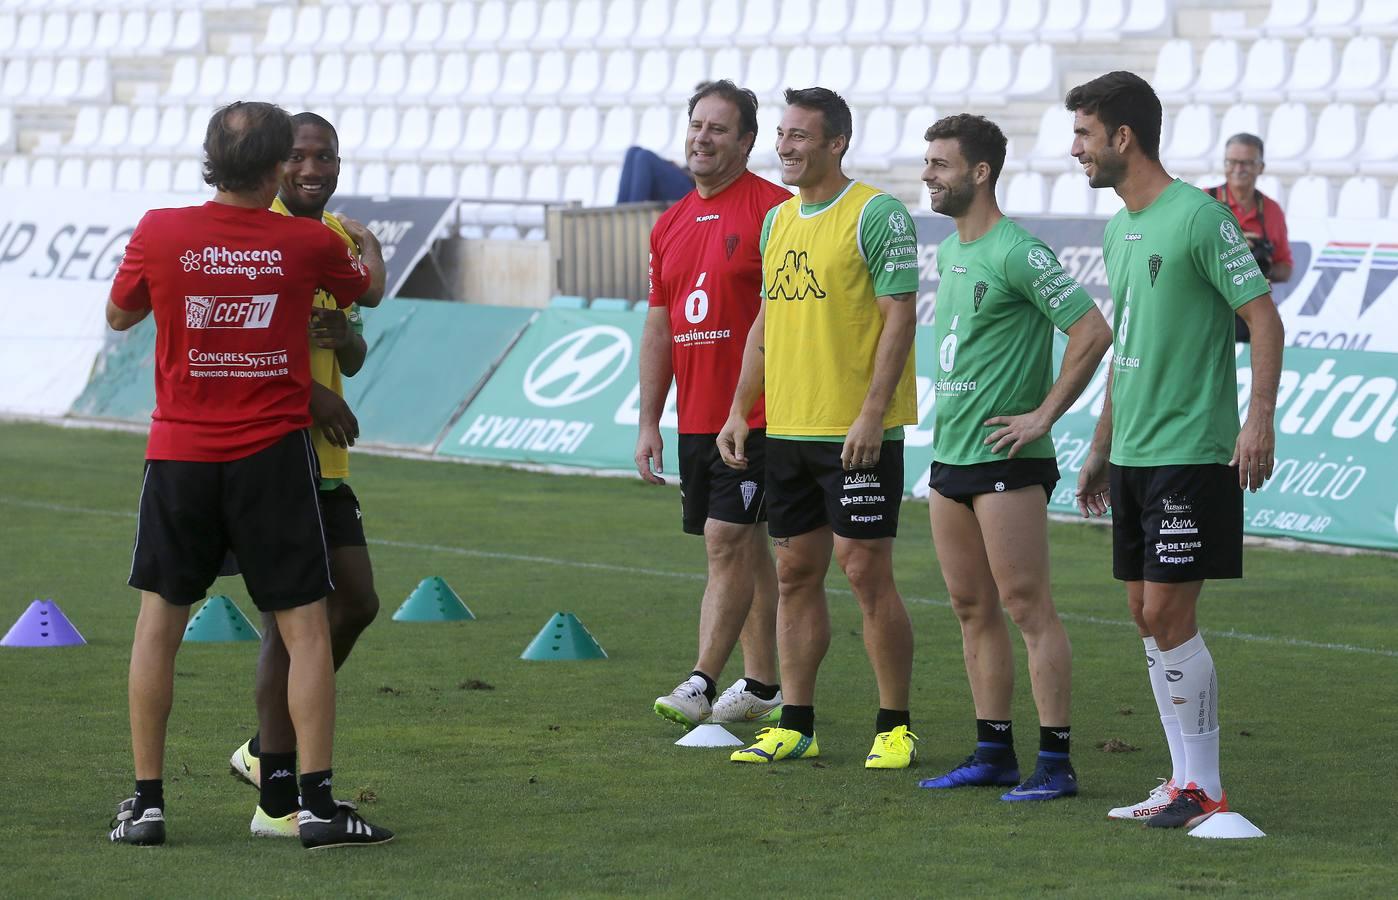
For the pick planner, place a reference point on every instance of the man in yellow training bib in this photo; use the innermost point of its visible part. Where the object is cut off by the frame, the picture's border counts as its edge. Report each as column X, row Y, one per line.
column 832, row 346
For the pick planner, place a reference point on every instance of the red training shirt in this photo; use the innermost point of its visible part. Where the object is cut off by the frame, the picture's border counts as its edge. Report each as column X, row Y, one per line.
column 1272, row 216
column 230, row 290
column 706, row 268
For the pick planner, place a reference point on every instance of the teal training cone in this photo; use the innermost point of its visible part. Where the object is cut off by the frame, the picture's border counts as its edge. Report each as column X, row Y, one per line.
column 219, row 619
column 564, row 637
column 433, row 601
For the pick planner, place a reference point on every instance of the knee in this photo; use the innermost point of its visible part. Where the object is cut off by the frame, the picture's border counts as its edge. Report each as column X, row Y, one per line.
column 797, row 575
column 973, row 609
column 356, row 610
column 869, row 574
column 1031, row 612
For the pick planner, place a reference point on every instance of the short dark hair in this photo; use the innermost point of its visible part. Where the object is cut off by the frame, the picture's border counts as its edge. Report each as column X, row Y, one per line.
column 1247, row 139
column 830, row 105
column 742, row 98
column 310, row 118
column 244, row 143
column 981, row 140
column 1122, row 98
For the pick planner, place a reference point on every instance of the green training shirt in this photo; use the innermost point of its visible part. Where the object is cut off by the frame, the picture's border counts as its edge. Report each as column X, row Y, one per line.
column 890, row 255
column 1178, row 270
column 999, row 299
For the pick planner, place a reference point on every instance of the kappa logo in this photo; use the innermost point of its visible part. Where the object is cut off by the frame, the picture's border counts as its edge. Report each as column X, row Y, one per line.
column 999, row 726
column 730, row 245
column 1155, row 262
column 1061, row 735
column 978, row 294
column 795, row 279
column 1039, row 258
column 280, row 773
column 898, row 223
column 749, row 489
column 245, row 311
column 1229, row 232
column 577, row 366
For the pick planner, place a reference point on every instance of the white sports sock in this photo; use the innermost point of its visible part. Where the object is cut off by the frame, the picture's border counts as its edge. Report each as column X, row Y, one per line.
column 1197, row 685
column 1166, row 707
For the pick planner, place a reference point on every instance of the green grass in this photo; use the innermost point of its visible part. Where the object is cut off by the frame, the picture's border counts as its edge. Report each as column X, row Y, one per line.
column 560, row 780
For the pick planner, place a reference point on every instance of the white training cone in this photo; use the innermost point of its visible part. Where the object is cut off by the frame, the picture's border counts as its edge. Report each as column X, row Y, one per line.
column 1227, row 825
column 708, row 736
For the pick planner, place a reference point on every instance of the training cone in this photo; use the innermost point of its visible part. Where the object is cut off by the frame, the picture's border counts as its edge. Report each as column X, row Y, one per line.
column 433, row 601
column 1227, row 825
column 708, row 736
column 42, row 625
column 219, row 619
column 564, row 637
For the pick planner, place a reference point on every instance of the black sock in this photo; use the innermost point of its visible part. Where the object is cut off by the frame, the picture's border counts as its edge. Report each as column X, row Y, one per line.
column 798, row 718
column 315, row 794
column 710, row 689
column 889, row 719
column 255, row 745
column 278, row 784
column 994, row 738
column 760, row 690
column 1054, row 741
column 150, row 794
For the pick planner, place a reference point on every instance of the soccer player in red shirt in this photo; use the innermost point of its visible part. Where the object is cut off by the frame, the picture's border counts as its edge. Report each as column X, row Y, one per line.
column 229, row 462
column 705, row 291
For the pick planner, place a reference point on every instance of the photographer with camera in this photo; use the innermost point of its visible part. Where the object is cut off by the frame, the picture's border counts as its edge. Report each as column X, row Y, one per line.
column 1262, row 219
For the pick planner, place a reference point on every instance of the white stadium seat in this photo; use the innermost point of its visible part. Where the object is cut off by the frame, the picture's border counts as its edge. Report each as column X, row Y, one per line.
column 1336, row 140
column 478, row 135
column 406, row 181
column 544, row 184
column 446, row 134
column 652, row 23
column 439, row 181
column 1025, row 194
column 1071, row 195
column 128, row 176
column 381, row 132
column 1220, row 70
column 474, row 181
column 1334, row 17
column 1378, row 18
column 545, row 135
column 339, row 24
column 758, row 24
column 836, row 69
column 954, row 74
column 793, row 19
column 460, row 20
column 157, row 178
column 1379, row 153
column 1063, row 21
column 1287, row 18
column 1103, row 20
column 1312, row 70
column 517, row 76
column 1288, row 136
column 832, row 20
column 689, row 69
column 391, row 81
column 452, row 78
column 511, row 132
column 1265, row 72
column 160, row 32
column 652, row 76
column 16, row 173
column 618, row 24
column 1023, row 20
column 915, row 74
column 353, row 128
column 555, row 21
column 428, row 24
column 189, row 175
column 1359, row 198
column 585, row 25
column 1191, row 140
column 422, row 76
column 800, row 69
column 995, row 69
column 875, row 137
column 281, row 24
column 582, row 135
column 108, row 31
column 507, row 183
column 101, row 174
column 133, row 33
column 912, row 144
column 169, row 134
column 1055, row 138
column 580, row 185
column 71, row 175
column 875, row 75
column 550, row 77
column 485, row 75
column 43, row 173
column 618, row 77
column 521, row 25
column 911, row 23
column 983, row 19
column 1309, row 197
column 1035, row 73
column 1237, row 119
column 242, row 72
column 1361, row 69
column 67, row 79
column 141, row 132
column 189, row 31
column 372, row 180
column 721, row 24
column 584, row 78
column 764, row 73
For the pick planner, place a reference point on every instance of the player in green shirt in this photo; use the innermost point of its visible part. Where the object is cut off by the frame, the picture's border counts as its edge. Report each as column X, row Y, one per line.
column 1168, row 456
column 1001, row 295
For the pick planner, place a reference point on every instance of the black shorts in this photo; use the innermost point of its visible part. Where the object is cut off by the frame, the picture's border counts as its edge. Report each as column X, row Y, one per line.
column 711, row 490
column 344, row 521
column 963, row 483
column 264, row 507
column 1176, row 523
column 808, row 489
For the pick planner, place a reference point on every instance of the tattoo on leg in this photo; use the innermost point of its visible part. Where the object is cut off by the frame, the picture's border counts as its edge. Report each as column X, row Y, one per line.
column 781, row 542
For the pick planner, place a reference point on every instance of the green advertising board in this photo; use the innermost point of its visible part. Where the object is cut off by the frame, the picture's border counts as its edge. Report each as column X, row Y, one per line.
column 567, row 394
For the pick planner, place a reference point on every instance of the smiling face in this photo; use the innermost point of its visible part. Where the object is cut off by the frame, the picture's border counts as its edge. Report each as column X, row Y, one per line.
column 1095, row 150
column 950, row 179
column 1242, row 163
column 311, row 173
column 713, row 151
column 807, row 156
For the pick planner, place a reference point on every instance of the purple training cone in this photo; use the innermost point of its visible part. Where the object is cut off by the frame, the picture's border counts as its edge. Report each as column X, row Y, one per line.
column 42, row 625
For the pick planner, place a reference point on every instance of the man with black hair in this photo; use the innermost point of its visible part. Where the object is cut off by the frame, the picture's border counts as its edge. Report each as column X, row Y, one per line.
column 833, row 346
column 1168, row 456
column 705, row 284
column 1002, row 293
column 229, row 462
column 308, row 182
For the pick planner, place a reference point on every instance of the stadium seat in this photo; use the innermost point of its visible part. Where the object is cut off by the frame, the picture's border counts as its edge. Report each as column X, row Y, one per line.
column 242, row 73
column 128, row 176
column 107, row 32
column 652, row 23
column 368, row 27
column 876, row 137
column 140, row 134
column 71, row 175
column 406, row 180
column 1287, row 18
column 545, row 135
column 169, row 133
column 96, row 81
column 116, row 123
column 875, row 75
column 1035, row 73
column 1361, row 70
column 1265, row 71
column 688, row 70
column 101, row 173
column 414, row 131
column 7, row 130
column 836, row 68
column 550, row 77
column 16, row 172
column 300, row 77
column 585, row 24
column 1220, row 70
column 271, row 76
column 584, row 78
column 544, row 184
column 157, row 177
column 372, row 180
column 40, row 83
column 9, row 27
column 554, row 22
column 452, row 76
column 331, row 79
column 456, row 30
column 1378, row 155
column 582, row 135
column 1071, row 195
column 653, row 74
column 439, row 181
column 656, row 130
column 16, row 78
column 912, row 144
column 1055, row 139
column 43, row 173
column 618, row 22
column 1102, row 21
column 831, row 21
column 915, row 23
column 580, row 185
column 508, row 183
column 983, row 20
column 1288, row 136
column 995, row 69
column 1334, row 18
column 1023, row 19
column 492, row 17
column 54, row 35
column 281, row 26
column 954, row 73
column 764, row 74
column 1359, row 198
column 1191, row 140
column 511, row 133
column 1106, row 202
column 391, row 81
column 133, row 33
column 1312, row 71
column 759, row 24
column 445, row 135
column 339, row 23
column 67, row 78
column 352, row 127
column 1336, row 140
column 1025, row 194
column 1236, row 119
column 608, row 183
column 721, row 23
column 478, row 135
column 421, row 79
column 1309, row 197
column 1146, row 16
column 1064, row 21
column 485, row 76
column 915, row 75
column 429, row 22
column 1378, row 18
column 189, row 31
column 160, row 32
column 800, row 68
column 474, row 181
column 517, row 76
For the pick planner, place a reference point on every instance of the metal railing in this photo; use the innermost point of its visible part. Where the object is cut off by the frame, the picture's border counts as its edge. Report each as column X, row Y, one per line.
column 603, row 251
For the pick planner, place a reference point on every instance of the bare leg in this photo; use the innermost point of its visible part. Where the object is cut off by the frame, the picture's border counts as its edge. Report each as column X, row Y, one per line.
column 150, row 687
column 727, row 594
column 759, row 636
column 803, row 618
column 985, row 641
column 888, row 632
column 1015, row 528
column 310, row 682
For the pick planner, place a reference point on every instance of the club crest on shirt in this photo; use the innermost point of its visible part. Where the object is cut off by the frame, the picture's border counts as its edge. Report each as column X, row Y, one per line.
column 730, row 245
column 1154, row 262
column 795, row 279
column 246, row 311
column 978, row 294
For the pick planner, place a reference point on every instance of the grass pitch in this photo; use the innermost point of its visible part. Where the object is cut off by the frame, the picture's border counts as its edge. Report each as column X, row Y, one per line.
column 509, row 777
